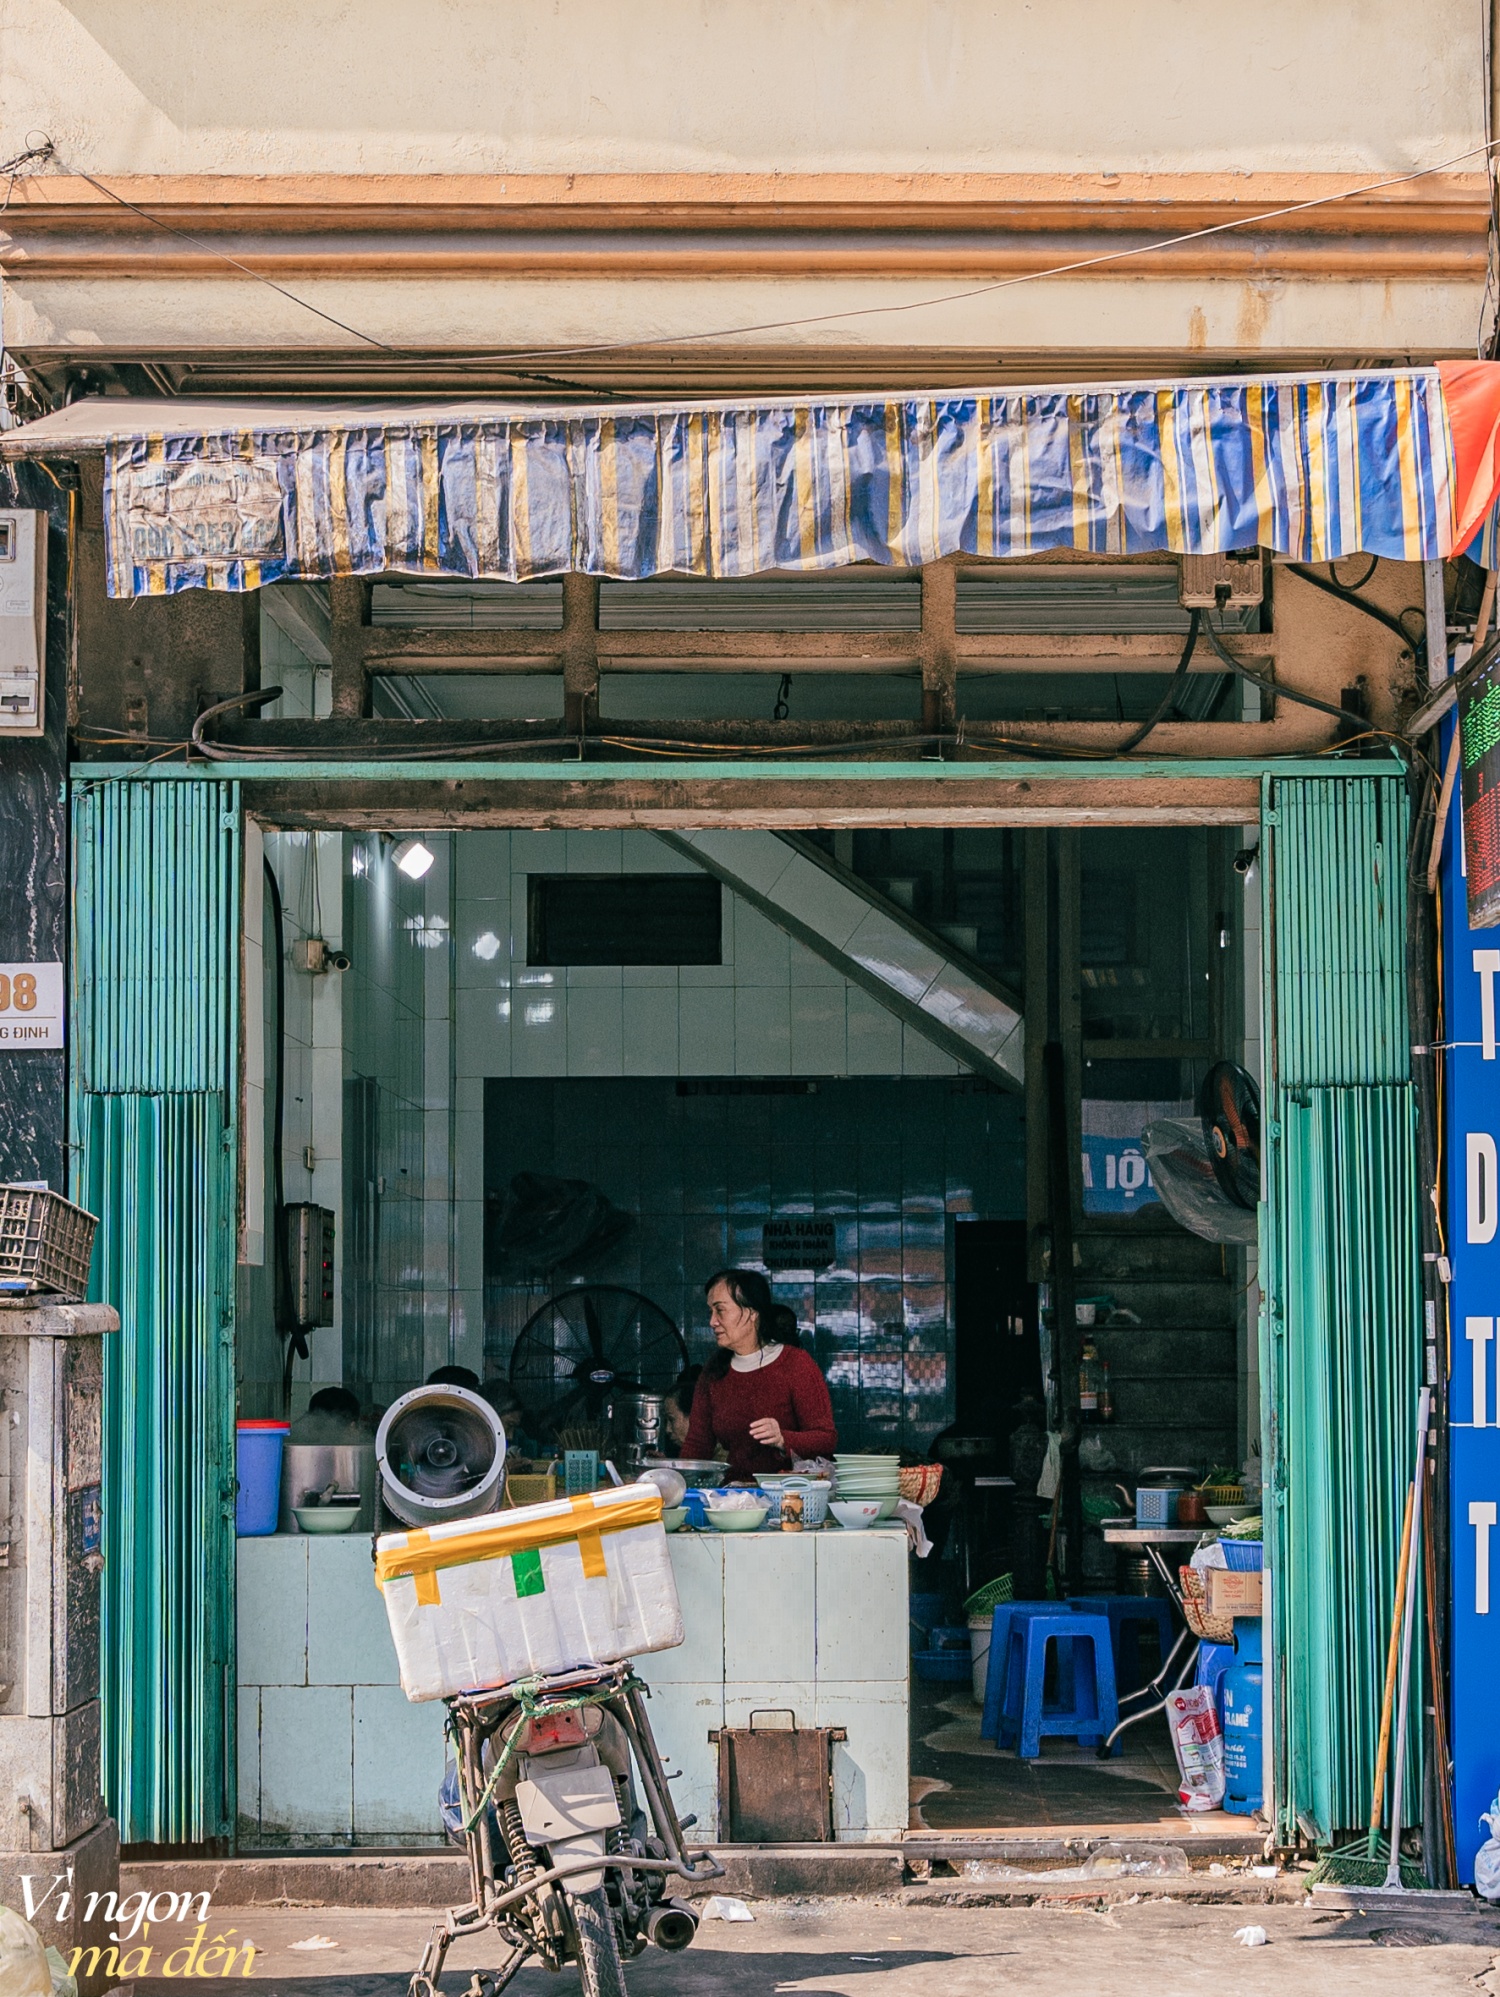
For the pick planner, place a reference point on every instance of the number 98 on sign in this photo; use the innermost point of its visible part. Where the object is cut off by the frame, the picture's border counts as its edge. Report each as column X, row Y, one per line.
column 31, row 1006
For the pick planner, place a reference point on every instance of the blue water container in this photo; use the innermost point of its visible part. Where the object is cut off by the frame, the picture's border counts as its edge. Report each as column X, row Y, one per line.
column 257, row 1452
column 1244, row 1720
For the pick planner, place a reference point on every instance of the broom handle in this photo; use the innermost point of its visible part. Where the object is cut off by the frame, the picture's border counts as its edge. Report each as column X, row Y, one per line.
column 1377, row 1799
column 1398, row 1772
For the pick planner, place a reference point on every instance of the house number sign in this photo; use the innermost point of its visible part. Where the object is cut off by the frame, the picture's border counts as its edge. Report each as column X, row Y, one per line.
column 31, row 1006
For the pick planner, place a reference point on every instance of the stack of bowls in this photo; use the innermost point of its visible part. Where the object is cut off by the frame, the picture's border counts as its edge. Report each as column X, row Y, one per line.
column 873, row 1478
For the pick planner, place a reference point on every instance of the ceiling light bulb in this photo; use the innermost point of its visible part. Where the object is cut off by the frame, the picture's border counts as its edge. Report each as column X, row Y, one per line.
column 413, row 858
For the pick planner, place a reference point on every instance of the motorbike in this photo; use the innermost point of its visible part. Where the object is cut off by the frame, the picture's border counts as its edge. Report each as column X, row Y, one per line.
column 564, row 1862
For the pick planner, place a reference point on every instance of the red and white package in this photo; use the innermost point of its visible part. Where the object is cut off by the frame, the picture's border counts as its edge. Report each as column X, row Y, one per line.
column 1198, row 1742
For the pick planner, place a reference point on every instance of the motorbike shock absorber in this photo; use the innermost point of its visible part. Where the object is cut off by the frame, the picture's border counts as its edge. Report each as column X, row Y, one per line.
column 522, row 1858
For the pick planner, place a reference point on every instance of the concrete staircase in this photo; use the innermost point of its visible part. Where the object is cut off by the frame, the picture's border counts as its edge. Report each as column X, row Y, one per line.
column 918, row 975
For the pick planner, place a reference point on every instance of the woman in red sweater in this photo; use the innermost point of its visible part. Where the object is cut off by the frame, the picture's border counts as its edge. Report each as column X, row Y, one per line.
column 761, row 1397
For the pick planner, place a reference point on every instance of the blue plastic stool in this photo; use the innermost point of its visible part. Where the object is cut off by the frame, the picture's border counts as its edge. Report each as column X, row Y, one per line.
column 1006, row 1614
column 1089, row 1712
column 1127, row 1613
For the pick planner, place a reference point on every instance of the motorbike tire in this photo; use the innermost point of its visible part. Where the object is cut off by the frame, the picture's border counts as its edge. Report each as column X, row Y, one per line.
column 599, row 1967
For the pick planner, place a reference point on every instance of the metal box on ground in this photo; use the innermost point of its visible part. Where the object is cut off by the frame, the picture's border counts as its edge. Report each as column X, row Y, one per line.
column 776, row 1783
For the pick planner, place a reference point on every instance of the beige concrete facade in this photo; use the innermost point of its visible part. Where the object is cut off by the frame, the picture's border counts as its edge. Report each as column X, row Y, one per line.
column 734, row 193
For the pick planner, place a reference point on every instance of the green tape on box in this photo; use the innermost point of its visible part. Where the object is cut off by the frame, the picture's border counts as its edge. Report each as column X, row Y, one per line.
column 526, row 1568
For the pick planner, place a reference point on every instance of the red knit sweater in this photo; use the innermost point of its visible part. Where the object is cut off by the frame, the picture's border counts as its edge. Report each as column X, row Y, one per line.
column 790, row 1390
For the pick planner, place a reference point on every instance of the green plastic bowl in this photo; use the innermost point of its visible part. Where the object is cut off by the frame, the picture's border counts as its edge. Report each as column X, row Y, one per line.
column 673, row 1517
column 742, row 1519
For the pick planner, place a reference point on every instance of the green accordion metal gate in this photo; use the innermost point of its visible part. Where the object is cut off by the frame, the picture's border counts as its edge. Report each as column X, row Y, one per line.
column 155, row 1057
column 1341, row 1312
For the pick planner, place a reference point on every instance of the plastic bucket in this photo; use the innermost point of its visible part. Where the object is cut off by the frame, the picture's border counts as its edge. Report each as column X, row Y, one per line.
column 980, row 1629
column 257, row 1464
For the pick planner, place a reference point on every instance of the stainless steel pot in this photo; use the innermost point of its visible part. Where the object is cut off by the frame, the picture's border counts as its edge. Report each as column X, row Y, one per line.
column 313, row 1466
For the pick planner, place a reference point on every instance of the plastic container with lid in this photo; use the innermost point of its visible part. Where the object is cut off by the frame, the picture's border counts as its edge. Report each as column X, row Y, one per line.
column 257, row 1461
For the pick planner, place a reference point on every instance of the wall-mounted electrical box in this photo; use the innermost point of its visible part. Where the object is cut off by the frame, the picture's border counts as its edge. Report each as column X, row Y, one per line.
column 310, row 1263
column 1228, row 582
column 23, row 621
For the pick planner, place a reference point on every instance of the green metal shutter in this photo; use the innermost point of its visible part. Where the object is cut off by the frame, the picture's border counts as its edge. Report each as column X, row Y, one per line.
column 1341, row 1325
column 155, row 1036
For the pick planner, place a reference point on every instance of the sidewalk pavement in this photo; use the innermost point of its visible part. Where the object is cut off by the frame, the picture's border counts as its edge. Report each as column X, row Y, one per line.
column 894, row 1948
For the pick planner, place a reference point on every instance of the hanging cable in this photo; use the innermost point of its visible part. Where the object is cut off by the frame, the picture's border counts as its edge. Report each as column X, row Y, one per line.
column 1169, row 699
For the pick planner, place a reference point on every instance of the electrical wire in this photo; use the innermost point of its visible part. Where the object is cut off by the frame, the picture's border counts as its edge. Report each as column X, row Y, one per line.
column 46, row 150
column 1331, row 586
column 1408, row 751
column 1169, row 699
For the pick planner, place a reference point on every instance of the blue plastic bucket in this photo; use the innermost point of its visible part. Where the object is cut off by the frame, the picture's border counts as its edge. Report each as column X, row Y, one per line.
column 257, row 1453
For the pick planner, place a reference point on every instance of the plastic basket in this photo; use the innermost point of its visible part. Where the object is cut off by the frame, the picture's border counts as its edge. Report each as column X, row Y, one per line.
column 1001, row 1589
column 528, row 1487
column 46, row 1243
column 944, row 1667
column 1243, row 1556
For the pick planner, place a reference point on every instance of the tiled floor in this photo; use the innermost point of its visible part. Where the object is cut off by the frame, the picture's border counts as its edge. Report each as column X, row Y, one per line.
column 960, row 1782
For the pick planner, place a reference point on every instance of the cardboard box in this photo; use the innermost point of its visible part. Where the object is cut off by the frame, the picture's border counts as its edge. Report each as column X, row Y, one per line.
column 538, row 1590
column 1231, row 1594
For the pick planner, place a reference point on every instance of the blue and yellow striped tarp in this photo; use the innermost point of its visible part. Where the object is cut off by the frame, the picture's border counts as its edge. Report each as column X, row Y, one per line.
column 1312, row 467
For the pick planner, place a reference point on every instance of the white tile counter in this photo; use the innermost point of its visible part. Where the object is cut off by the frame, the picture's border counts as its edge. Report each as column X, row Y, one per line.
column 330, row 1750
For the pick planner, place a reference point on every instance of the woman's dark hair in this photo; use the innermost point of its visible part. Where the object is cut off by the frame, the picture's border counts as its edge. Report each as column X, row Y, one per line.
column 683, row 1388
column 776, row 1325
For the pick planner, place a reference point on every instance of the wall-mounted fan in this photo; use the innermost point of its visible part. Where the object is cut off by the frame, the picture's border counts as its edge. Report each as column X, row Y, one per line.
column 1206, row 1170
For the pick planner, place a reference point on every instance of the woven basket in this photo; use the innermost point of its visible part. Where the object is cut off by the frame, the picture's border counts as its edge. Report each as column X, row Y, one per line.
column 919, row 1485
column 1209, row 1629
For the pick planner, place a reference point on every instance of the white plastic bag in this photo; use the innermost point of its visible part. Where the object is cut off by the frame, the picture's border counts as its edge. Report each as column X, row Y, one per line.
column 24, row 1968
column 1487, row 1858
column 1199, row 1746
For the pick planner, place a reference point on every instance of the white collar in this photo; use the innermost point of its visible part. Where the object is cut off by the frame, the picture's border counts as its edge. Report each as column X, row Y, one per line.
column 763, row 1355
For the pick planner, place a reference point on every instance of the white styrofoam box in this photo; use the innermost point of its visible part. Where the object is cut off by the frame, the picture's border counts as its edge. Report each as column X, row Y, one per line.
column 461, row 1624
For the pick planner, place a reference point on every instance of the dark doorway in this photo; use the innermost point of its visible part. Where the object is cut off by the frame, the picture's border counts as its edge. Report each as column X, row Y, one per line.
column 997, row 1353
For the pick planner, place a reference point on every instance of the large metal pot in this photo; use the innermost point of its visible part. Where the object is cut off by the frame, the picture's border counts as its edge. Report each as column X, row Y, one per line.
column 310, row 1467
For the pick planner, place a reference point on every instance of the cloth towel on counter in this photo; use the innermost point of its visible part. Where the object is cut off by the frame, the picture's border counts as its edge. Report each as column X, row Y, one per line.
column 910, row 1516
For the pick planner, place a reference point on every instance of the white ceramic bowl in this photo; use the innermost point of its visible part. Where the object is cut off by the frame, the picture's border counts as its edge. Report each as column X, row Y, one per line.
column 854, row 1514
column 326, row 1518
column 673, row 1516
column 740, row 1520
column 1227, row 1514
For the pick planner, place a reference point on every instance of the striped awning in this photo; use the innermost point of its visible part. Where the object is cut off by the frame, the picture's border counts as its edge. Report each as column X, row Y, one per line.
column 1400, row 463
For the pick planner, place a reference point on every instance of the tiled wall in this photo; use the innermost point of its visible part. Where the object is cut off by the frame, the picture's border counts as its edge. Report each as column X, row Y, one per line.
column 308, row 868
column 401, row 1223
column 893, row 1163
column 440, row 1002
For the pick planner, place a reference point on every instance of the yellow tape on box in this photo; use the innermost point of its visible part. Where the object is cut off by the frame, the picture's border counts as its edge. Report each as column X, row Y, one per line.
column 546, row 1588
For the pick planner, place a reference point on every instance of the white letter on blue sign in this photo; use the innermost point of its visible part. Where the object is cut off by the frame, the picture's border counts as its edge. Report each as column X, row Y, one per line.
column 1479, row 1331
column 1487, row 963
column 1484, row 1210
column 1482, row 1517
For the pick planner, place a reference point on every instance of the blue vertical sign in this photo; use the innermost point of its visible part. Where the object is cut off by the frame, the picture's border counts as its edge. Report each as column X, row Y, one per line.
column 1471, row 995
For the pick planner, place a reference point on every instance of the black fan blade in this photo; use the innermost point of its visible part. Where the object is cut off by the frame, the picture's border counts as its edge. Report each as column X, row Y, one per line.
column 596, row 1335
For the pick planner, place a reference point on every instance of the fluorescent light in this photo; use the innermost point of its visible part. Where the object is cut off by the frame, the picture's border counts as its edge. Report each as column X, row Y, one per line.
column 413, row 858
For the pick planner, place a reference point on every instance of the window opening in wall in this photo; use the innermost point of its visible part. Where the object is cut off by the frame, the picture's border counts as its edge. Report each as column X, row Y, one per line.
column 623, row 919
